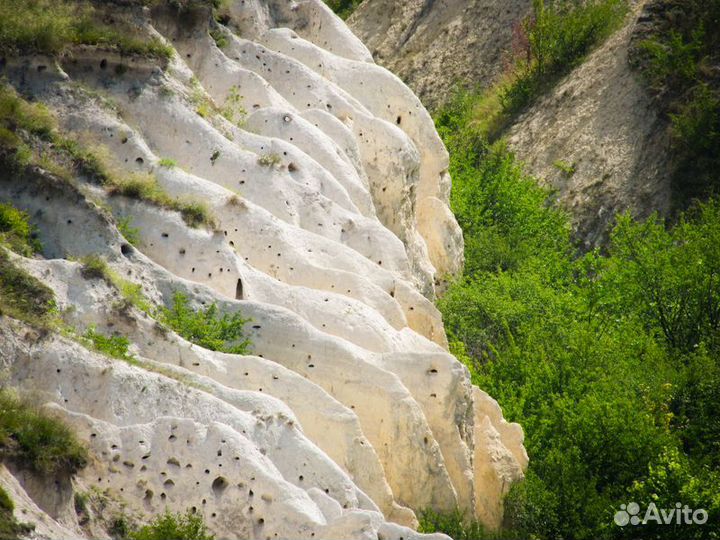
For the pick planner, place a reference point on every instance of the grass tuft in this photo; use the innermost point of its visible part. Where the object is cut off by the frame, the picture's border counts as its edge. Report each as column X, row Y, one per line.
column 37, row 440
column 16, row 232
column 52, row 26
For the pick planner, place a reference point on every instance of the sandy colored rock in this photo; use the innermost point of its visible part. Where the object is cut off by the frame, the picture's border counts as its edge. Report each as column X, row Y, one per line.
column 347, row 415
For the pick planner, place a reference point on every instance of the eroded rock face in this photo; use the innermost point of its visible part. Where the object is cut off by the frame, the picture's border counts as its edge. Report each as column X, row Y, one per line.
column 331, row 229
column 434, row 44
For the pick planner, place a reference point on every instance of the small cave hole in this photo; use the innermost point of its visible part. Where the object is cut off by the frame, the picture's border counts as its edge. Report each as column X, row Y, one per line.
column 239, row 290
column 219, row 486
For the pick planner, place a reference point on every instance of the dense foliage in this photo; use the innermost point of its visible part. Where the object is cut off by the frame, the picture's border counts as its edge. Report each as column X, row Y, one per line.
column 169, row 526
column 343, row 8
column 680, row 61
column 207, row 327
column 36, row 440
column 608, row 360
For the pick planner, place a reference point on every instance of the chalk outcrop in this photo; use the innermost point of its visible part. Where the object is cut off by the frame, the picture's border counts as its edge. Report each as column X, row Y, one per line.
column 332, row 230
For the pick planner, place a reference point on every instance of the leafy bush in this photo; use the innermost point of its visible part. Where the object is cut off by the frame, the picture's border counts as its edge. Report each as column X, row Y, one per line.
column 454, row 524
column 207, row 327
column 112, row 346
column 50, row 26
column 168, row 526
column 130, row 233
column 36, row 440
column 344, row 8
column 558, row 37
column 676, row 61
column 608, row 360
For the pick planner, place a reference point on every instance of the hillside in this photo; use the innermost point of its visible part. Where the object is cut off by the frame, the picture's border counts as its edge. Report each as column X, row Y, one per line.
column 599, row 141
column 432, row 45
column 220, row 244
column 585, row 180
column 597, row 138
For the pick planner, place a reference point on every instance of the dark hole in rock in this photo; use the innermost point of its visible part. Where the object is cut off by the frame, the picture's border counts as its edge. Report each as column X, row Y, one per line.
column 239, row 290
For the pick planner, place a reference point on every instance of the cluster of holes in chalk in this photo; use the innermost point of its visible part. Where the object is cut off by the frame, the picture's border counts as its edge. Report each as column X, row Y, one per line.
column 219, row 485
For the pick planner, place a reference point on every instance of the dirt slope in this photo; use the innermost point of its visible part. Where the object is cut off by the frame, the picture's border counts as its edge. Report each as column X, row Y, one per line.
column 600, row 126
column 431, row 44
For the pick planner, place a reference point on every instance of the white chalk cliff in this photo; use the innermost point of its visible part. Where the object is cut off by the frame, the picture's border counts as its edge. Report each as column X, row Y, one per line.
column 332, row 232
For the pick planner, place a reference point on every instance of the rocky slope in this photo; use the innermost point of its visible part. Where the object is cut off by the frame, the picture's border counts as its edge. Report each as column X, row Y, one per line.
column 599, row 142
column 433, row 44
column 597, row 139
column 331, row 231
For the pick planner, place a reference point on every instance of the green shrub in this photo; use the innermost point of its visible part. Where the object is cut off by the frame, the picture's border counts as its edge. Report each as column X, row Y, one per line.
column 454, row 524
column 112, row 346
column 558, row 38
column 144, row 187
column 20, row 120
column 10, row 529
column 167, row 163
column 608, row 360
column 344, row 8
column 131, row 234
column 169, row 526
column 16, row 232
column 207, row 327
column 36, row 440
column 270, row 160
column 233, row 110
column 120, row 528
column 6, row 503
column 676, row 61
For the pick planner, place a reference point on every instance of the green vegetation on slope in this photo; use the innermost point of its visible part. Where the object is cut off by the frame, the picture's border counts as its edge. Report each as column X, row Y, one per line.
column 343, row 8
column 22, row 296
column 10, row 529
column 16, row 232
column 29, row 136
column 207, row 327
column 608, row 360
column 169, row 526
column 36, row 440
column 546, row 46
column 680, row 61
column 52, row 26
